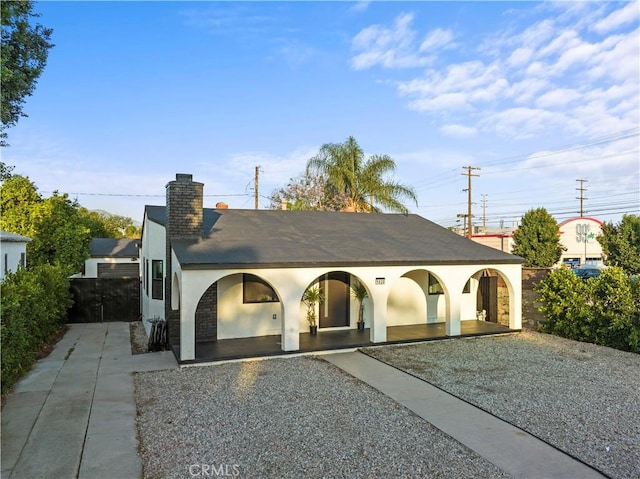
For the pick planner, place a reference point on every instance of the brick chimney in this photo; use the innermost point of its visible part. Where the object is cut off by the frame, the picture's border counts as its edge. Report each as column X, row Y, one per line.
column 184, row 207
column 183, row 221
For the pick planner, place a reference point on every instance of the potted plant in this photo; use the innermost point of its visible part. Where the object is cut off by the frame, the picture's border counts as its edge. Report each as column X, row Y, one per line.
column 360, row 294
column 311, row 297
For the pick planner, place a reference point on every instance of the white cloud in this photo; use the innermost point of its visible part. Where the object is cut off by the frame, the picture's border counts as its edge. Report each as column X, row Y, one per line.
column 436, row 39
column 618, row 18
column 519, row 57
column 558, row 98
column 459, row 131
column 388, row 47
column 553, row 76
column 360, row 6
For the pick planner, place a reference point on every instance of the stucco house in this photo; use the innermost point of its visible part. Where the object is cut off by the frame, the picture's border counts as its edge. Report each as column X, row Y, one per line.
column 13, row 252
column 222, row 275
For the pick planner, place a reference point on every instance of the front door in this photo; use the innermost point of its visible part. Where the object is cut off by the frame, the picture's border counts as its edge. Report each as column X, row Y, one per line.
column 488, row 297
column 334, row 310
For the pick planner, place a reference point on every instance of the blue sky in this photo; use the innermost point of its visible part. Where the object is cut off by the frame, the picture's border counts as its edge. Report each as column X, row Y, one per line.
column 535, row 94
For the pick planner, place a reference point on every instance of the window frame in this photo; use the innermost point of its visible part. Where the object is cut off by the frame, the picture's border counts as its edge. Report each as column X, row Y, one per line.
column 255, row 290
column 434, row 286
column 157, row 279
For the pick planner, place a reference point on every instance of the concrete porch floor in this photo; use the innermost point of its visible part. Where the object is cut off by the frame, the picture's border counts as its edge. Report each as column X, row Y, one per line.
column 226, row 349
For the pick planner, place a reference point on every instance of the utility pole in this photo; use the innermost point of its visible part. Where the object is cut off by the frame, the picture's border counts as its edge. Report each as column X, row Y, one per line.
column 484, row 213
column 464, row 222
column 582, row 189
column 468, row 174
column 255, row 190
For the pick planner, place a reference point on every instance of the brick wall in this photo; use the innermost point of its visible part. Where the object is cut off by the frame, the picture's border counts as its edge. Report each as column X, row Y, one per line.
column 207, row 315
column 184, row 220
column 530, row 303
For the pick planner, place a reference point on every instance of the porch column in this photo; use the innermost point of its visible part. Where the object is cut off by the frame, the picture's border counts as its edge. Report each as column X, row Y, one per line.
column 378, row 331
column 453, row 317
column 290, row 336
column 187, row 329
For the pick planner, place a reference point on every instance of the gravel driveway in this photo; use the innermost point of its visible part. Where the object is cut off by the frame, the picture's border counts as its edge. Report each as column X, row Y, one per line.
column 304, row 418
column 583, row 399
column 287, row 418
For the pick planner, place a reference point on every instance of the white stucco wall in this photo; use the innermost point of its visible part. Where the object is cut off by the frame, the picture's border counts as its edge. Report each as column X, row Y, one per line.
column 238, row 320
column 152, row 248
column 11, row 253
column 290, row 284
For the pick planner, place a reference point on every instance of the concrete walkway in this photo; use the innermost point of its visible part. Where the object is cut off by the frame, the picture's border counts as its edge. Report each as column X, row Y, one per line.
column 509, row 448
column 73, row 415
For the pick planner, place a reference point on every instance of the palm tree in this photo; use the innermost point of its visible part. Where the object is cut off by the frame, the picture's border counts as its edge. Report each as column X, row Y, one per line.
column 311, row 297
column 361, row 182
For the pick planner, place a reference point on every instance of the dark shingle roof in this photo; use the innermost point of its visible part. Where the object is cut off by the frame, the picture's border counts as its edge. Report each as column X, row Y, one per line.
column 113, row 248
column 275, row 238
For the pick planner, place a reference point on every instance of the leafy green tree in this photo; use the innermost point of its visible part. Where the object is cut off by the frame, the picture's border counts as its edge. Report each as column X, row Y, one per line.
column 306, row 192
column 59, row 235
column 108, row 226
column 538, row 239
column 60, row 229
column 361, row 183
column 24, row 52
column 5, row 171
column 621, row 243
column 18, row 197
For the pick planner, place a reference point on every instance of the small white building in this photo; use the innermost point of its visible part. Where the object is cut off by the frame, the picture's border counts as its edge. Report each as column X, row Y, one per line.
column 112, row 258
column 217, row 274
column 13, row 252
column 579, row 237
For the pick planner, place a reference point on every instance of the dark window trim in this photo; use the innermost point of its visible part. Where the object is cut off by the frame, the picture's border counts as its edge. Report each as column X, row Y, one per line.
column 157, row 279
column 434, row 285
column 257, row 290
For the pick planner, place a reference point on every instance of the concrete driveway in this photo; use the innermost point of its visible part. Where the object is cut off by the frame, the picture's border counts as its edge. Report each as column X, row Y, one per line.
column 73, row 415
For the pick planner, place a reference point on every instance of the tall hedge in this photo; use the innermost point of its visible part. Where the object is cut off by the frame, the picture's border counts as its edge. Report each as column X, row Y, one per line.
column 603, row 310
column 33, row 305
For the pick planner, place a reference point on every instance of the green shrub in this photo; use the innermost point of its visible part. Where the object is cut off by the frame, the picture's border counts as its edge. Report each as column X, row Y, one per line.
column 33, row 307
column 603, row 310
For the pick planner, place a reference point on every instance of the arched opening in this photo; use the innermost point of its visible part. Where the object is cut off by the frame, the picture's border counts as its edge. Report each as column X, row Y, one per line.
column 489, row 297
column 340, row 306
column 417, row 297
column 247, row 306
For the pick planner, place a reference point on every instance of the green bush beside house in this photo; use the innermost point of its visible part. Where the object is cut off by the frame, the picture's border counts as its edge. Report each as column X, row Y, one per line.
column 603, row 310
column 33, row 309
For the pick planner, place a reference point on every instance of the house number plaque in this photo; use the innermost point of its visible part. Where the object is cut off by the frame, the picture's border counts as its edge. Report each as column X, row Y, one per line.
column 379, row 280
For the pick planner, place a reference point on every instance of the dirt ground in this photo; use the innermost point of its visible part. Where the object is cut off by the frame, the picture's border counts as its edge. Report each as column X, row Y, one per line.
column 139, row 341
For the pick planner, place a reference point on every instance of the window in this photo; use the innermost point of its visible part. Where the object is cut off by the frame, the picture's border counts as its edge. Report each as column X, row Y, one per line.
column 256, row 290
column 23, row 260
column 434, row 285
column 6, row 263
column 157, row 284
